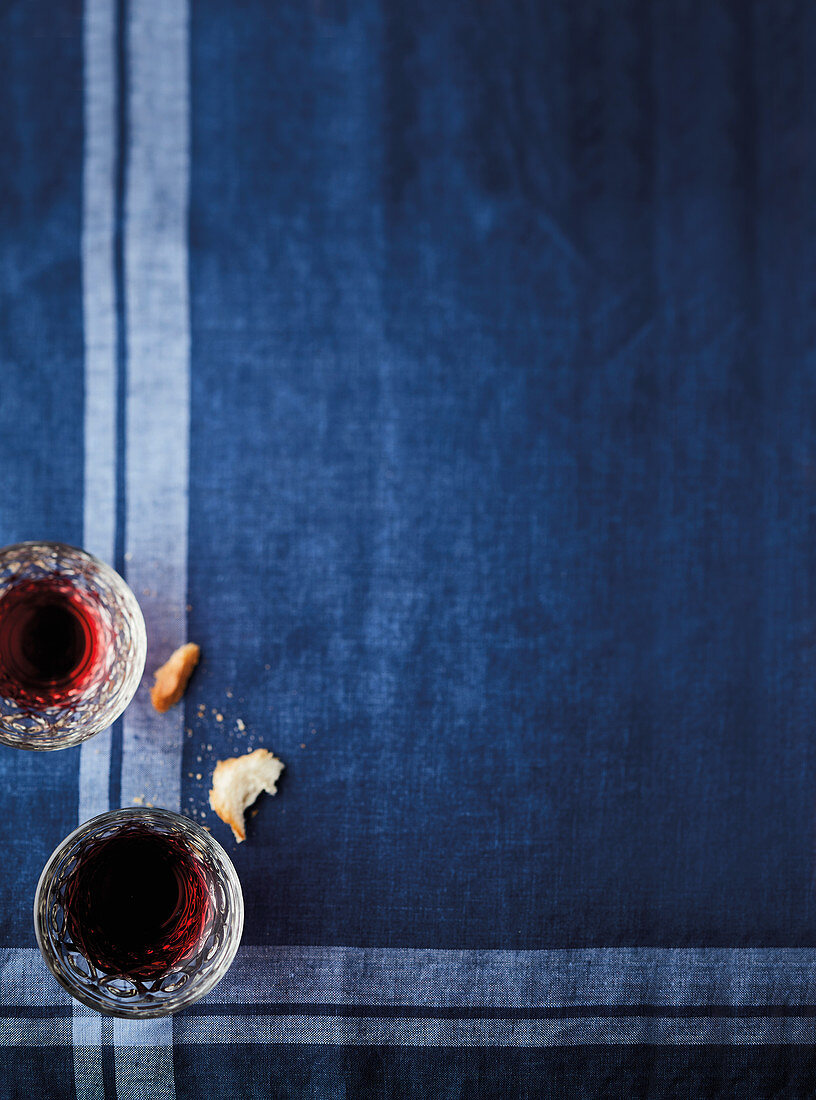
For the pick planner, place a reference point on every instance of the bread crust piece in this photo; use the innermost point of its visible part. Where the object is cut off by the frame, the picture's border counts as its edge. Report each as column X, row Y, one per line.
column 238, row 781
column 173, row 676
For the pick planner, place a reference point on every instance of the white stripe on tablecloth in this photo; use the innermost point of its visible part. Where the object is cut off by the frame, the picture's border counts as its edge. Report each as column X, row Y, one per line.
column 99, row 327
column 429, row 978
column 100, row 341
column 158, row 377
column 136, row 1062
column 519, row 979
column 724, row 978
column 157, row 424
column 143, row 1051
column 570, row 1031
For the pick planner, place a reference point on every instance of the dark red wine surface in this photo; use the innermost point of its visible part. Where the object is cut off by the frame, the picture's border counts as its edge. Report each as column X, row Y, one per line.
column 137, row 903
column 53, row 639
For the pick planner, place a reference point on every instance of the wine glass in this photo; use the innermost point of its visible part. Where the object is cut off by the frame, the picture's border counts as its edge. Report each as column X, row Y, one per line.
column 138, row 912
column 72, row 645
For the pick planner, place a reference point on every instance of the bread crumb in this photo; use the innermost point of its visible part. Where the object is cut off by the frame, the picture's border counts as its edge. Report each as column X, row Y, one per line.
column 138, row 798
column 198, row 775
column 173, row 676
column 238, row 781
column 219, row 717
column 240, row 724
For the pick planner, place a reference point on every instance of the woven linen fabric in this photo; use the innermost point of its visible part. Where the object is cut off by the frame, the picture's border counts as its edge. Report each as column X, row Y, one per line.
column 447, row 371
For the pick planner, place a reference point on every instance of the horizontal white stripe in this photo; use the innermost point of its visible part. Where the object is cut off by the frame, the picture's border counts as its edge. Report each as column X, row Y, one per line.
column 404, row 1031
column 36, row 1033
column 25, row 980
column 407, row 1032
column 513, row 979
column 155, row 1032
column 520, row 979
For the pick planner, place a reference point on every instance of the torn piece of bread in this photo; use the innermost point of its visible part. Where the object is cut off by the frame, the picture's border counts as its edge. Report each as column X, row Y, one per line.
column 237, row 782
column 173, row 676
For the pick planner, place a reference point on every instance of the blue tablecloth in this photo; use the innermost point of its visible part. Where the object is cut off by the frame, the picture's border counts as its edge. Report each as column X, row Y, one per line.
column 448, row 373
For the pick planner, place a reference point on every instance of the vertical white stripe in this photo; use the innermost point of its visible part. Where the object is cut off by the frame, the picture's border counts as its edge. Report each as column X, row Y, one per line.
column 143, row 1052
column 157, row 429
column 99, row 489
column 99, row 326
column 158, row 376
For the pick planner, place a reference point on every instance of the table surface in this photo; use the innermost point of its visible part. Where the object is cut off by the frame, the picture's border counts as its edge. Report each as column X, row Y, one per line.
column 447, row 372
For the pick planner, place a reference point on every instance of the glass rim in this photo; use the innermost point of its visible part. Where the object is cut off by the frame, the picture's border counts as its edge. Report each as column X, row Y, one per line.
column 191, row 992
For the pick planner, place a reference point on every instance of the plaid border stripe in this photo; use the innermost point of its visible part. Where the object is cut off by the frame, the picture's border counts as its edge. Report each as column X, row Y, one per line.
column 593, row 976
column 132, row 1058
column 726, row 978
column 402, row 997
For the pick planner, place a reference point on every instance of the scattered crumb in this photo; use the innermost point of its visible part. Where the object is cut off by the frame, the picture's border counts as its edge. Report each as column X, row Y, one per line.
column 302, row 746
column 173, row 676
column 128, row 556
column 189, row 607
column 150, row 804
column 237, row 782
column 219, row 717
column 267, row 667
column 139, row 799
column 240, row 725
column 198, row 775
column 209, row 748
column 229, row 694
column 145, row 591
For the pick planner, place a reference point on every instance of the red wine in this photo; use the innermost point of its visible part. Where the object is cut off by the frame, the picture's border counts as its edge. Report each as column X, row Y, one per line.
column 53, row 639
column 137, row 903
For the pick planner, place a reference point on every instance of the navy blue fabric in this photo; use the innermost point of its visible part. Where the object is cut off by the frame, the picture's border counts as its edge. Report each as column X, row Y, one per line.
column 503, row 403
column 589, row 1072
column 502, row 508
column 41, row 380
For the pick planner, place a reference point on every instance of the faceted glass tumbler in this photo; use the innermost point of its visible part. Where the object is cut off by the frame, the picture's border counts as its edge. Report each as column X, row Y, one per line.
column 29, row 720
column 189, row 977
